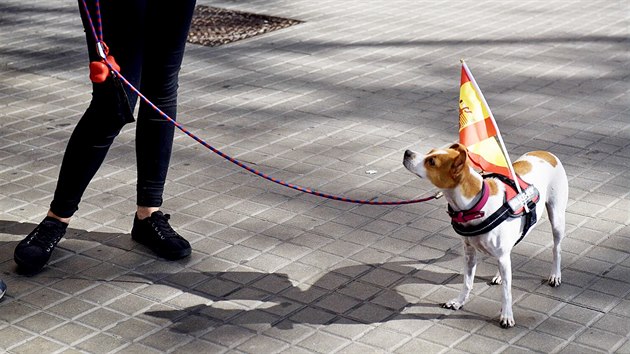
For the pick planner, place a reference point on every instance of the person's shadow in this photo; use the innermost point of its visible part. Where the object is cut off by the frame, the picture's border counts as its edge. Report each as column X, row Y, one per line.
column 363, row 294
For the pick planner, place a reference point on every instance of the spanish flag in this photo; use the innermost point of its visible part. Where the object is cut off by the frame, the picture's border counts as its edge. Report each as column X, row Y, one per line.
column 478, row 130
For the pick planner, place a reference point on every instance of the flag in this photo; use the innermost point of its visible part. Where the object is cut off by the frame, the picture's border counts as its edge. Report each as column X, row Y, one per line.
column 478, row 130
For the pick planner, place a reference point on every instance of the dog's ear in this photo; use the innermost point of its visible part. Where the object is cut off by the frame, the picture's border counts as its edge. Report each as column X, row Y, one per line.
column 458, row 147
column 460, row 160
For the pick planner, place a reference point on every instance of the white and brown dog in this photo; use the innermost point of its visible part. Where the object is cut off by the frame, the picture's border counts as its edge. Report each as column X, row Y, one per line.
column 465, row 190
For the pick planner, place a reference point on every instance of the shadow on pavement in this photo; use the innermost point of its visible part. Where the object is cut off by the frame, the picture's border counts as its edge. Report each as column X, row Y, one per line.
column 365, row 294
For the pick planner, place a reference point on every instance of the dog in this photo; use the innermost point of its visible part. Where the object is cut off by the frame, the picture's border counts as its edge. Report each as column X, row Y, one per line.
column 464, row 188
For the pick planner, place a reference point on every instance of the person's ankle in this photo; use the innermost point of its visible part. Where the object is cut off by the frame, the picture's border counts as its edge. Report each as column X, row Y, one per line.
column 144, row 212
column 53, row 215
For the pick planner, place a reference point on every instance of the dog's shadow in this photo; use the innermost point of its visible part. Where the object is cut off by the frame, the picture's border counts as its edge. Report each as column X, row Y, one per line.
column 359, row 294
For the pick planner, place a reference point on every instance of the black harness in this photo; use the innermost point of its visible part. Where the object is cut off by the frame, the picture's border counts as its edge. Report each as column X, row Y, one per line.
column 530, row 196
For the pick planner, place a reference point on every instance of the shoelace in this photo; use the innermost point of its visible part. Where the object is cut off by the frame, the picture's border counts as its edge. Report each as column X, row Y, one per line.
column 47, row 235
column 159, row 223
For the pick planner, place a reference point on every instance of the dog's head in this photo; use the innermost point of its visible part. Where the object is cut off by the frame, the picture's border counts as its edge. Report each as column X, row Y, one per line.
column 442, row 167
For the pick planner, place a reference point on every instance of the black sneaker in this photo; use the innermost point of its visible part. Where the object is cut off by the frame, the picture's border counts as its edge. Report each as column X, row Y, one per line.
column 33, row 252
column 3, row 288
column 156, row 233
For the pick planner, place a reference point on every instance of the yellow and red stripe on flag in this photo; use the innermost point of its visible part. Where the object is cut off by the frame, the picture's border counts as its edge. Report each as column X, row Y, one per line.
column 478, row 130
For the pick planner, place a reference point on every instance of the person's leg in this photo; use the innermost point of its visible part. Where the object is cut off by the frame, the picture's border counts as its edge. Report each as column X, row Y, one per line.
column 167, row 29
column 94, row 133
column 107, row 113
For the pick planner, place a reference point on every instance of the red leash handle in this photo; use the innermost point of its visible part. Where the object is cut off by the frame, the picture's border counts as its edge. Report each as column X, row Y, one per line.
column 100, row 70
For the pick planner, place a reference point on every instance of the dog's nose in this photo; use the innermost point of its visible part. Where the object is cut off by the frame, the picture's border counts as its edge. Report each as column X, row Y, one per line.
column 409, row 154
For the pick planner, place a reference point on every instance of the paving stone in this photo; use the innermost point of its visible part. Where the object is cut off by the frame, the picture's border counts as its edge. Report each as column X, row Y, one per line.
column 323, row 343
column 262, row 344
column 43, row 298
column 101, row 318
column 479, row 344
column 139, row 348
column 383, row 339
column 596, row 300
column 100, row 343
column 69, row 333
column 132, row 329
column 289, row 332
column 40, row 322
column 439, row 335
column 11, row 336
column 37, row 345
column 560, row 328
column 624, row 348
column 539, row 342
column 418, row 345
column 368, row 313
column 228, row 335
column 16, row 310
column 623, row 308
column 600, row 339
column 579, row 349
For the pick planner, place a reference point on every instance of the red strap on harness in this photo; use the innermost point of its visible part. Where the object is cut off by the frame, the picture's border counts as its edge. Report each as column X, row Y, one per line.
column 475, row 212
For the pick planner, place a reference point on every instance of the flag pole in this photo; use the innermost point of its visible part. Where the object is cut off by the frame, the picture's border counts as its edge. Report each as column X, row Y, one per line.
column 501, row 143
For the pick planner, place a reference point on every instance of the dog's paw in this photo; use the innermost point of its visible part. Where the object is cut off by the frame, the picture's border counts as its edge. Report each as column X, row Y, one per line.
column 507, row 321
column 453, row 305
column 554, row 280
column 496, row 280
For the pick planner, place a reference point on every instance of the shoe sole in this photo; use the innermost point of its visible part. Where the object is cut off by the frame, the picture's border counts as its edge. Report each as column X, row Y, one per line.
column 25, row 268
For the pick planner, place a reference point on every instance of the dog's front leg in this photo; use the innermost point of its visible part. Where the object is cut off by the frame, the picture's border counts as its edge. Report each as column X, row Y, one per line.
column 505, row 268
column 470, row 265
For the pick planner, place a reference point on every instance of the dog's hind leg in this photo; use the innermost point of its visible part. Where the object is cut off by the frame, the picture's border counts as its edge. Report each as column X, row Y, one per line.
column 470, row 265
column 556, row 209
column 557, row 220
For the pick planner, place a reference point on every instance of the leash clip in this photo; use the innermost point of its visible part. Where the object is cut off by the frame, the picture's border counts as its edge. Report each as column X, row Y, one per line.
column 102, row 50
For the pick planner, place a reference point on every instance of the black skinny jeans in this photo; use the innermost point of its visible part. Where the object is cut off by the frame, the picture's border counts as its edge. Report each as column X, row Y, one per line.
column 147, row 39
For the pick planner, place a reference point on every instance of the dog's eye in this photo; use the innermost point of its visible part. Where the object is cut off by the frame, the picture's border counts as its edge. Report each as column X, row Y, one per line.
column 430, row 161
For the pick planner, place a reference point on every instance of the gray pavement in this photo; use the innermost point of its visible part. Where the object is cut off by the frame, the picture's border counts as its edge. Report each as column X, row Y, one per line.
column 319, row 104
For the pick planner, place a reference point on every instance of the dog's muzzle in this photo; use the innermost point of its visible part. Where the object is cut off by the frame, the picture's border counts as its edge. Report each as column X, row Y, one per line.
column 408, row 161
